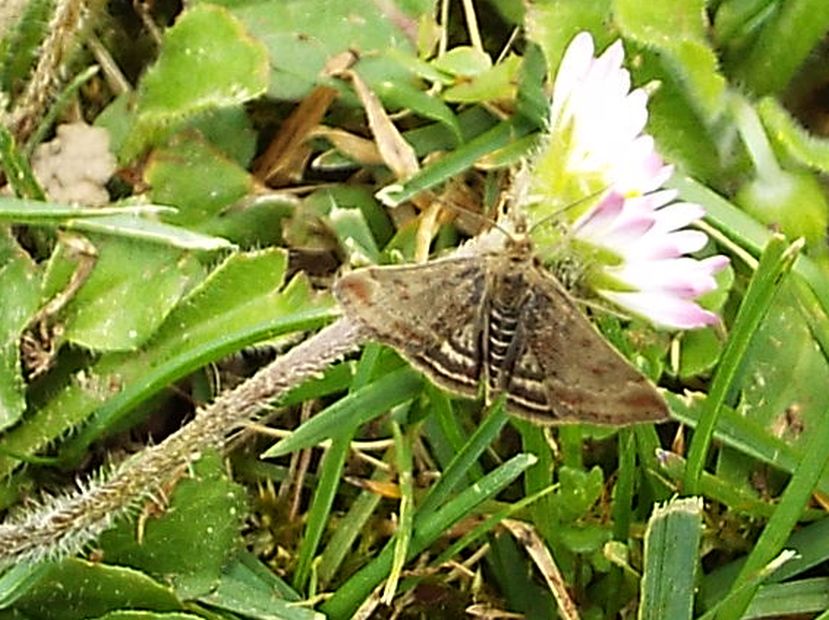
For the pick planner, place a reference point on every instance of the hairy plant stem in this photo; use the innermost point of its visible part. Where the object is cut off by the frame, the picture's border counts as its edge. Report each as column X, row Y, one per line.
column 63, row 29
column 65, row 523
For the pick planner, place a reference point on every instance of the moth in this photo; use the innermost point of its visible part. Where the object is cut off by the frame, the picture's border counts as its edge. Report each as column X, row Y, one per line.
column 497, row 321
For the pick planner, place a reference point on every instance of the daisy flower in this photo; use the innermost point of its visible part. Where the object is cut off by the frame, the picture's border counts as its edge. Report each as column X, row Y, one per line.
column 603, row 173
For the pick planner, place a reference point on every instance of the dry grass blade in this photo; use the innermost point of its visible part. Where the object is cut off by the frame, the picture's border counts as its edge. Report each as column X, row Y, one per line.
column 529, row 538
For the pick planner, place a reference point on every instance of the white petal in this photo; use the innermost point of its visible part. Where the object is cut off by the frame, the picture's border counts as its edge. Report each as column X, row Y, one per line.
column 657, row 246
column 677, row 215
column 577, row 60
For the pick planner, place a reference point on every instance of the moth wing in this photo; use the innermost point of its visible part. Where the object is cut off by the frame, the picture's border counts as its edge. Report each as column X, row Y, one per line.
column 431, row 313
column 567, row 372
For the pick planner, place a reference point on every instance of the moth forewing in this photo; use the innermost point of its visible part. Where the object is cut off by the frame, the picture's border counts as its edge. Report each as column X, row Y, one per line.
column 568, row 362
column 431, row 314
column 499, row 321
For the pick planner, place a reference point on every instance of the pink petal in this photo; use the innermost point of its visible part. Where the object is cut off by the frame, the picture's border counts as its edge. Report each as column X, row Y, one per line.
column 664, row 309
column 600, row 217
column 684, row 277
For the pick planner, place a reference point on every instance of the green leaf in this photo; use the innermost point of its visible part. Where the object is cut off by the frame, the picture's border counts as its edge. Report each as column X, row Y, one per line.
column 213, row 321
column 16, row 167
column 21, row 41
column 207, row 60
column 300, row 37
column 699, row 352
column 197, row 178
column 552, row 25
column 149, row 231
column 39, row 213
column 779, row 371
column 496, row 83
column 579, row 490
column 251, row 589
column 357, row 408
column 76, row 590
column 798, row 143
column 463, row 61
column 115, row 309
column 777, row 260
column 20, row 283
column 189, row 543
column 147, row 615
column 788, row 34
column 677, row 31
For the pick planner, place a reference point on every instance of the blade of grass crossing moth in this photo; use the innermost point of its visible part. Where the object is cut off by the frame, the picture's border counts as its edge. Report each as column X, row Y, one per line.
column 671, row 558
column 358, row 408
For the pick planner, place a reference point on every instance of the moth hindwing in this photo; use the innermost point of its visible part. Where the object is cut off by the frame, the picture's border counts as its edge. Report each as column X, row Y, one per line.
column 501, row 321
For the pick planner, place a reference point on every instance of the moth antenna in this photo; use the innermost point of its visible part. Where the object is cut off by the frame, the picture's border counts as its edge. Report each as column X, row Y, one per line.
column 567, row 207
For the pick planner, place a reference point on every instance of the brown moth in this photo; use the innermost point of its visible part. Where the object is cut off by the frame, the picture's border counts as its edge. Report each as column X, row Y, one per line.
column 498, row 319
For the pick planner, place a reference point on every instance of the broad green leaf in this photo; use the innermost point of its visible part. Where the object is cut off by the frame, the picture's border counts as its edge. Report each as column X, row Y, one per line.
column 197, row 179
column 578, row 491
column 207, row 60
column 798, row 143
column 240, row 303
column 187, row 545
column 552, row 25
column 95, row 589
column 301, row 36
column 780, row 370
column 699, row 352
column 20, row 298
column 463, row 61
column 677, row 31
column 250, row 588
column 132, row 289
column 767, row 61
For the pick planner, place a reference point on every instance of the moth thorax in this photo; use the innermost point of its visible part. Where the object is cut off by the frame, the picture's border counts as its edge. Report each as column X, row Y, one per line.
column 511, row 290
